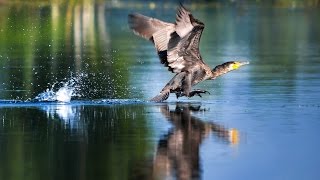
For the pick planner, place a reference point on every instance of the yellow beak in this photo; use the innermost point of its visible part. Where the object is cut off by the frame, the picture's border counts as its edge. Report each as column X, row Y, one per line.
column 239, row 64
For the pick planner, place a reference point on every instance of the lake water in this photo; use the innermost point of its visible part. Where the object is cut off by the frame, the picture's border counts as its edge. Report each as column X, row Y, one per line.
column 259, row 122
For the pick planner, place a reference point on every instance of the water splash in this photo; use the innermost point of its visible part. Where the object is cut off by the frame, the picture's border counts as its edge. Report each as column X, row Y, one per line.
column 86, row 86
column 63, row 91
column 64, row 94
column 48, row 95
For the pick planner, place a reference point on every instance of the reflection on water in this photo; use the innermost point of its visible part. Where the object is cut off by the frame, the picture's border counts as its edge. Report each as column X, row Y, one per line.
column 71, row 141
column 178, row 153
column 67, row 114
column 98, row 136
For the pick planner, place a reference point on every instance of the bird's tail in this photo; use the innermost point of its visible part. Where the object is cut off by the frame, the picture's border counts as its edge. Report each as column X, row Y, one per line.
column 162, row 96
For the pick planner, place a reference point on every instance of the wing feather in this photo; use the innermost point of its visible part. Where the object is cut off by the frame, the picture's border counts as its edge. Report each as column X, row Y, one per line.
column 177, row 44
column 145, row 26
column 183, row 48
column 183, row 23
column 154, row 30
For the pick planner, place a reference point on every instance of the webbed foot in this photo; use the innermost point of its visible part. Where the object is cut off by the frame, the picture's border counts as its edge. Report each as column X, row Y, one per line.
column 198, row 92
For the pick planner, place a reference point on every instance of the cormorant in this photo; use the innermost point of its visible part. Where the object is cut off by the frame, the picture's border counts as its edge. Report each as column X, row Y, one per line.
column 177, row 45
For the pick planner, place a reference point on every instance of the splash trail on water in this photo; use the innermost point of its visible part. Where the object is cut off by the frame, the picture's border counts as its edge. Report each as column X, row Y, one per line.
column 63, row 91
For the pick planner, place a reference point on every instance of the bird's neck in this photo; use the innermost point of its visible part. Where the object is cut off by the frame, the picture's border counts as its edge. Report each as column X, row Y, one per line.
column 220, row 70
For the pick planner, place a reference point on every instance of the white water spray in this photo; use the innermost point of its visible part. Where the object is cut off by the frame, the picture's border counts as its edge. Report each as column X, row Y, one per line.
column 62, row 91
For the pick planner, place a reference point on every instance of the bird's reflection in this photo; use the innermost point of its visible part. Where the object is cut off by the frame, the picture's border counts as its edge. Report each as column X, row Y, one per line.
column 177, row 153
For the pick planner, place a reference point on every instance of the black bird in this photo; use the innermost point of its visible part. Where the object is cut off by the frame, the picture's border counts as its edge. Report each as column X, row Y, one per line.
column 177, row 45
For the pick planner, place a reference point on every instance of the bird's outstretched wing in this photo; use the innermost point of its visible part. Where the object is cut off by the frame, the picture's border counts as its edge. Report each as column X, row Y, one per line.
column 177, row 44
column 183, row 47
column 154, row 30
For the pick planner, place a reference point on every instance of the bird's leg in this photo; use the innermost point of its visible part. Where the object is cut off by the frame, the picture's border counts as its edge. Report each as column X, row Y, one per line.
column 171, row 87
column 179, row 94
column 197, row 92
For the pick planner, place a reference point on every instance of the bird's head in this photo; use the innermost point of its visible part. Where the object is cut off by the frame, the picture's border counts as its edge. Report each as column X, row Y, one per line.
column 226, row 67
